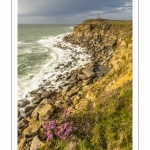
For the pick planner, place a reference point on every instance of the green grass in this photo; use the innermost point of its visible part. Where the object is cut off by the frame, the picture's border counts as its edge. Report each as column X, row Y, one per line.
column 106, row 127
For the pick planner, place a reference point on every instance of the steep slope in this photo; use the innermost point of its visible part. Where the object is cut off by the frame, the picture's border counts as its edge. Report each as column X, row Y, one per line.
column 99, row 96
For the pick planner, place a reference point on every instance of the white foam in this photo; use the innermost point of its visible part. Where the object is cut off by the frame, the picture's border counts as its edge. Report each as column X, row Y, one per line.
column 48, row 71
column 71, row 27
column 23, row 43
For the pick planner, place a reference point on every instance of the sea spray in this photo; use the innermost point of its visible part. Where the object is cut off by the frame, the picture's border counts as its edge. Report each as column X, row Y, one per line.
column 53, row 67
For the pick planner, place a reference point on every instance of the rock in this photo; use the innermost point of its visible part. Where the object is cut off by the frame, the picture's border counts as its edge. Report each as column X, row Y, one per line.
column 41, row 133
column 27, row 147
column 73, row 77
column 90, row 96
column 66, row 89
column 58, row 76
column 80, row 94
column 47, row 101
column 72, row 92
column 75, row 99
column 27, row 114
column 37, row 96
column 37, row 101
column 88, row 73
column 86, row 82
column 47, row 83
column 36, row 141
column 22, row 123
column 29, row 139
column 46, row 94
column 58, row 103
column 82, row 105
column 32, row 128
column 21, row 143
column 82, row 76
column 23, row 103
column 89, row 66
column 28, row 108
column 45, row 112
column 18, row 112
column 69, row 63
column 34, row 92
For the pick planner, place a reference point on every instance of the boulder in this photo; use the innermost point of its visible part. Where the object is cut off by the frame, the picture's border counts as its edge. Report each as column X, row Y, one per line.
column 73, row 91
column 73, row 77
column 27, row 114
column 45, row 112
column 36, row 101
column 41, row 133
column 88, row 73
column 47, row 101
column 66, row 89
column 46, row 94
column 21, row 143
column 89, row 66
column 32, row 128
column 22, row 123
column 36, row 143
column 23, row 103
column 28, row 108
column 82, row 76
column 86, row 82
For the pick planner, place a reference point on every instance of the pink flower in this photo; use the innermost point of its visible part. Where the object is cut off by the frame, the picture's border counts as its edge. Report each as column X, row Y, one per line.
column 36, row 146
column 74, row 128
column 63, row 138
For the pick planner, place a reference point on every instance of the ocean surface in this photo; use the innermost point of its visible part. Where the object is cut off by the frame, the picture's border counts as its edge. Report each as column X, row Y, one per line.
column 38, row 55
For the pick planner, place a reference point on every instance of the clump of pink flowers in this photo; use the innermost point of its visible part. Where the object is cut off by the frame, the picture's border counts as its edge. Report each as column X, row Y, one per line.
column 63, row 129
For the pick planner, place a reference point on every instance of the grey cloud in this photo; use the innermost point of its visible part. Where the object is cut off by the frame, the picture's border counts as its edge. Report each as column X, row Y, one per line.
column 68, row 8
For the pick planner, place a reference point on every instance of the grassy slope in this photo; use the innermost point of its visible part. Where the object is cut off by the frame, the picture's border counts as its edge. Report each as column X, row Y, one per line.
column 107, row 126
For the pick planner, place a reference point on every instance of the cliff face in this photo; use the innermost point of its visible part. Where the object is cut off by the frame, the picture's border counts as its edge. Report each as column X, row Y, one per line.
column 110, row 44
column 98, row 96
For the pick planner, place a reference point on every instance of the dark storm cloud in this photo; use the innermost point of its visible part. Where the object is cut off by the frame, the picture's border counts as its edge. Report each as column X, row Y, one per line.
column 55, row 9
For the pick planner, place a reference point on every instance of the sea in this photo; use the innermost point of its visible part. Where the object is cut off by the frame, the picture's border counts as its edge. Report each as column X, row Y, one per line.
column 38, row 56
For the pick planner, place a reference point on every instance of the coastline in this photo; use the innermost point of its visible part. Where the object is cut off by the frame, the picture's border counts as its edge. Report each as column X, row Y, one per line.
column 75, row 84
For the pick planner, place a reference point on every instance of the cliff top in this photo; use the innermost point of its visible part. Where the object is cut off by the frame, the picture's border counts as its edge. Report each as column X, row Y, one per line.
column 107, row 21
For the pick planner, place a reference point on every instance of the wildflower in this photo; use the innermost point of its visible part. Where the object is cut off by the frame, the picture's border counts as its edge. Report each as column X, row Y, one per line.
column 65, row 125
column 36, row 146
column 75, row 128
column 60, row 129
column 63, row 138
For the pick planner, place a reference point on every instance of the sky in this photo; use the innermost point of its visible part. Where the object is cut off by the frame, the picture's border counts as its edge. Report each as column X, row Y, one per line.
column 72, row 11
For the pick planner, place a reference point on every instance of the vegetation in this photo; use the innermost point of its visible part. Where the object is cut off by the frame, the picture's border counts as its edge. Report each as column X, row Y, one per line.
column 106, row 127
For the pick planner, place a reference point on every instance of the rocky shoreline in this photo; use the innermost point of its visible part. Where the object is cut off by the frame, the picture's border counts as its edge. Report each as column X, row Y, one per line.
column 99, row 41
